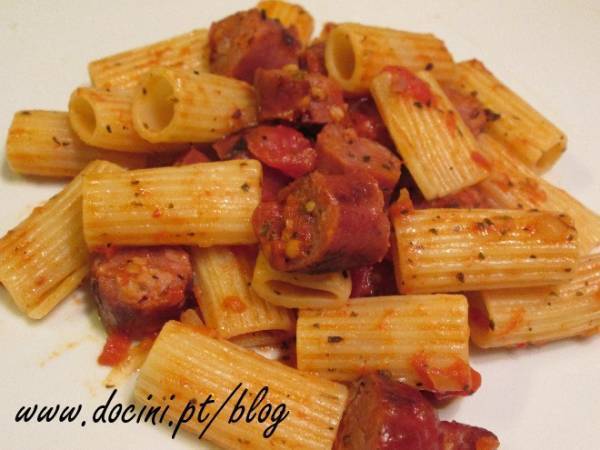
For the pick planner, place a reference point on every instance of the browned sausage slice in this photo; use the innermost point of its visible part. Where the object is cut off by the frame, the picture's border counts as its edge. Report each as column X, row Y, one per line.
column 458, row 436
column 341, row 150
column 314, row 225
column 384, row 414
column 298, row 96
column 138, row 289
column 243, row 42
column 313, row 59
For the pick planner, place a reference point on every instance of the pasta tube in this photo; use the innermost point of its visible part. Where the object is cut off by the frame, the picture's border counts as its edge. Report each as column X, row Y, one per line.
column 45, row 258
column 436, row 145
column 509, row 317
column 201, row 204
column 299, row 290
column 528, row 134
column 421, row 339
column 123, row 71
column 185, row 364
column 452, row 250
column 103, row 119
column 513, row 185
column 227, row 303
column 182, row 106
column 43, row 143
column 355, row 54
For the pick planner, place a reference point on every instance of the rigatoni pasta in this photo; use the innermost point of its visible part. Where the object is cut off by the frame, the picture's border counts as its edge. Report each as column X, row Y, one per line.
column 45, row 258
column 437, row 147
column 226, row 301
column 508, row 317
column 290, row 15
column 103, row 119
column 187, row 364
column 180, row 106
column 356, row 53
column 43, row 143
column 452, row 250
column 201, row 204
column 421, row 339
column 123, row 71
column 528, row 134
column 300, row 290
column 513, row 185
column 207, row 260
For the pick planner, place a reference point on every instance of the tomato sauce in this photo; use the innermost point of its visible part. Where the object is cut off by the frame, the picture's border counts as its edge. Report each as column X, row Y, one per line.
column 115, row 349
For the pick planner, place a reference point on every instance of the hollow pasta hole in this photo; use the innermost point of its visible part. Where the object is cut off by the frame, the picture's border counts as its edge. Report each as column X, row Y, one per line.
column 156, row 107
column 343, row 54
column 83, row 116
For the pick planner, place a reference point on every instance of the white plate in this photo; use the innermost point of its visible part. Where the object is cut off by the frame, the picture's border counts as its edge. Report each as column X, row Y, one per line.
column 546, row 398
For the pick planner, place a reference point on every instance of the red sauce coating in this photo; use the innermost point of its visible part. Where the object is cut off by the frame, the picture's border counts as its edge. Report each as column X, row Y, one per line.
column 407, row 83
column 481, row 160
column 248, row 40
column 458, row 372
column 115, row 349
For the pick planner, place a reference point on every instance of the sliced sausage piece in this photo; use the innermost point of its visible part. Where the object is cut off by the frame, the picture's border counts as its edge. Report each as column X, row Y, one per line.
column 298, row 96
column 312, row 58
column 282, row 148
column 313, row 227
column 341, row 150
column 384, row 414
column 457, row 436
column 247, row 40
column 367, row 121
column 469, row 107
column 138, row 289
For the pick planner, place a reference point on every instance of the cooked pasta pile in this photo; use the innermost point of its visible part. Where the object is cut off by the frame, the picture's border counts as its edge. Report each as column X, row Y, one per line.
column 358, row 199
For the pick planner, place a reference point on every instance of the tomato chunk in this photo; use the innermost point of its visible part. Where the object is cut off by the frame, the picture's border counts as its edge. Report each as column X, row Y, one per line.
column 115, row 349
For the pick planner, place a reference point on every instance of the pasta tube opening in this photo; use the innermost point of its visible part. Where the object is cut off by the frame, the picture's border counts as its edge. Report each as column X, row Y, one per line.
column 83, row 117
column 340, row 50
column 155, row 107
